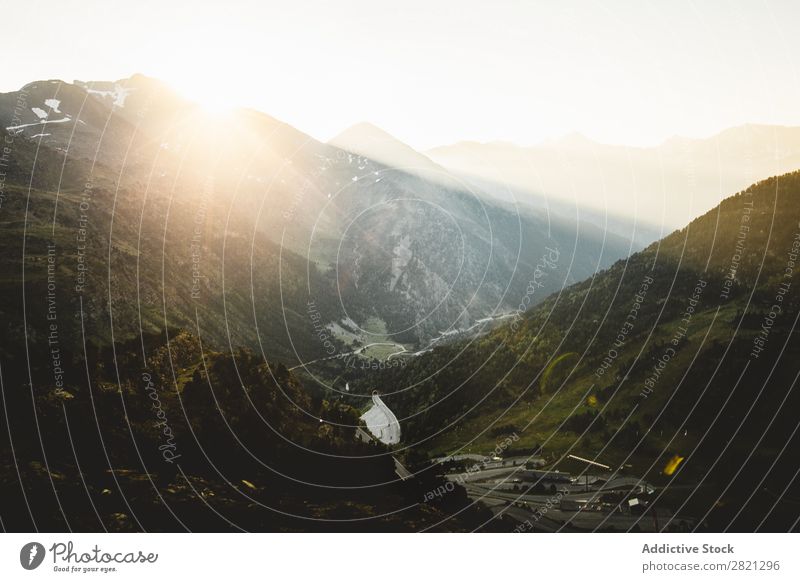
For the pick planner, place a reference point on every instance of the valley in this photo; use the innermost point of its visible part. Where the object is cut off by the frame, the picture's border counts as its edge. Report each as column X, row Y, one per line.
column 222, row 322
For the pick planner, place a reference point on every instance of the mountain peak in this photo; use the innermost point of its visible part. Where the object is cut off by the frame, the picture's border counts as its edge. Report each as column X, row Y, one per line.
column 365, row 135
column 369, row 140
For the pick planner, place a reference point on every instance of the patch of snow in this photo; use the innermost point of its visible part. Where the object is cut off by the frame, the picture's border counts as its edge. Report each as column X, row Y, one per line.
column 100, row 92
column 121, row 96
column 44, row 122
column 53, row 104
column 118, row 95
column 40, row 135
column 40, row 113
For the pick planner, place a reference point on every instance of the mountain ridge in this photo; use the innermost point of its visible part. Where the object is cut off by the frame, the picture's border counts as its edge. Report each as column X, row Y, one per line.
column 665, row 185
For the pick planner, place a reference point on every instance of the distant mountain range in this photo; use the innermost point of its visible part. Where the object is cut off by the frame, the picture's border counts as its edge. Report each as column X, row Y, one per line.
column 663, row 187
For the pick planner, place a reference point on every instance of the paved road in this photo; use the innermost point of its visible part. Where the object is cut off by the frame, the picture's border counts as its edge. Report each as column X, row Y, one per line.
column 400, row 469
column 485, row 475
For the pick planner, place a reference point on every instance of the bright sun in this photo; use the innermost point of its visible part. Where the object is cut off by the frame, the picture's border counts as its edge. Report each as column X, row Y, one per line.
column 215, row 104
column 214, row 98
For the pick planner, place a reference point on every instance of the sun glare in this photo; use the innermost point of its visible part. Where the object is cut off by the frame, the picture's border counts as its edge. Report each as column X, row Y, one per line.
column 214, row 98
column 216, row 105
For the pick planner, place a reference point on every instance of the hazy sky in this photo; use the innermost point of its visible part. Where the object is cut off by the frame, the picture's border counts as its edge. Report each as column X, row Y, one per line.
column 434, row 72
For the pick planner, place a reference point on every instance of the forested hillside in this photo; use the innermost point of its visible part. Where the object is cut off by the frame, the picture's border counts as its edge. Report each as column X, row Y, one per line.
column 689, row 347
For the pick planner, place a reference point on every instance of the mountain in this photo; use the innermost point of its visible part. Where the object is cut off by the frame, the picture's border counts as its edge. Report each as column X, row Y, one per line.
column 93, row 120
column 370, row 141
column 686, row 348
column 198, row 441
column 663, row 186
column 167, row 274
column 254, row 211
